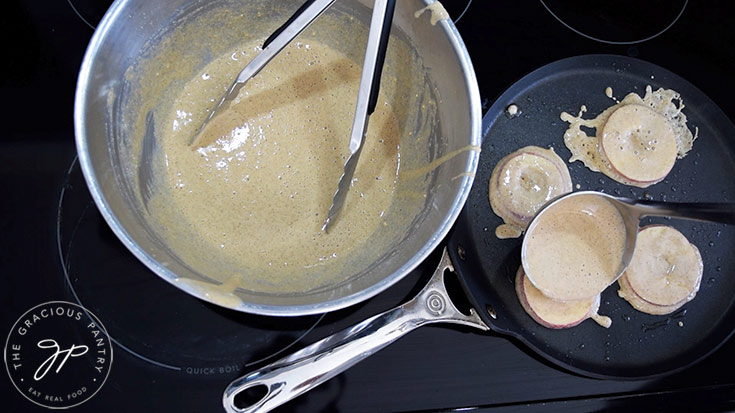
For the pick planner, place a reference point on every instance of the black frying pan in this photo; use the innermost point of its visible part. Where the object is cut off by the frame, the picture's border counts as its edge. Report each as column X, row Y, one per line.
column 637, row 345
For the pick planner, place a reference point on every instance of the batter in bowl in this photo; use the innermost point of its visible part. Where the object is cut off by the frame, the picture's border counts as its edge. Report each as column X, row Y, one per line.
column 254, row 188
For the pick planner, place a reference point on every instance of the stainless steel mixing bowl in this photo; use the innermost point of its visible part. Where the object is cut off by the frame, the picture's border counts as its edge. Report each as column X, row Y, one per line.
column 116, row 158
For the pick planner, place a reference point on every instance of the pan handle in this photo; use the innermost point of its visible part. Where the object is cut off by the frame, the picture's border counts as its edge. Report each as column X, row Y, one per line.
column 300, row 372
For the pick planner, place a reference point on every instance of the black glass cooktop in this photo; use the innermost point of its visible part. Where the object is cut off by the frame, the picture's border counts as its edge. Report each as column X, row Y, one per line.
column 176, row 353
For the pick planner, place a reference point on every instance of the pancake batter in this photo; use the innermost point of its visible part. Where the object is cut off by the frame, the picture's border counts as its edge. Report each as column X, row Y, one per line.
column 665, row 105
column 437, row 10
column 255, row 187
column 576, row 248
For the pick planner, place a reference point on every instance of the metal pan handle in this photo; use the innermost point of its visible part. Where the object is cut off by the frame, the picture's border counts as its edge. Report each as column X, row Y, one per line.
column 300, row 372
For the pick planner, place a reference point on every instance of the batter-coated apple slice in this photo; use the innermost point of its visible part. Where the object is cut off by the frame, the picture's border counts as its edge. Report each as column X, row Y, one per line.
column 666, row 269
column 552, row 313
column 640, row 304
column 639, row 144
column 523, row 181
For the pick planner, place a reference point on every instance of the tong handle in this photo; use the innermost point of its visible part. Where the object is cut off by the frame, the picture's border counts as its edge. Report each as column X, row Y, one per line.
column 382, row 48
column 304, row 16
column 290, row 20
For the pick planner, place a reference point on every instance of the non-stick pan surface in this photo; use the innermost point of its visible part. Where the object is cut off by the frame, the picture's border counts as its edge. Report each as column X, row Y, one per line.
column 637, row 345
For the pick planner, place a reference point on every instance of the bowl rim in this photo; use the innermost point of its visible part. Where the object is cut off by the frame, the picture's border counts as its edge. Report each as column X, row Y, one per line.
column 80, row 103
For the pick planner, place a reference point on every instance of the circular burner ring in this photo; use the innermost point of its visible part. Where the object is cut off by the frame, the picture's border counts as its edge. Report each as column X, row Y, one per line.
column 614, row 42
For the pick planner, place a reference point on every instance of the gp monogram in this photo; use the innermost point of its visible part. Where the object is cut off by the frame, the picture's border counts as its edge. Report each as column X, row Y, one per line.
column 58, row 355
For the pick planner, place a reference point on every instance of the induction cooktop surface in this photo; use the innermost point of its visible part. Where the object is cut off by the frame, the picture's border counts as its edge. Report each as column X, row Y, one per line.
column 173, row 352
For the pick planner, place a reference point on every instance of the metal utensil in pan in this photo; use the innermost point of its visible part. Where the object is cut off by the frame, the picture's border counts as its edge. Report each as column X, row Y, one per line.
column 637, row 345
column 632, row 211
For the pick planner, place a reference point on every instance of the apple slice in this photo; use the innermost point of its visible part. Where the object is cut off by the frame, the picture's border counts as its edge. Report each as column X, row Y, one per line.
column 666, row 268
column 525, row 180
column 639, row 303
column 552, row 313
column 639, row 144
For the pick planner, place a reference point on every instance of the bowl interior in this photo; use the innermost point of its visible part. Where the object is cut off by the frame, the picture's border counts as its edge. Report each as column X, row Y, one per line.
column 127, row 86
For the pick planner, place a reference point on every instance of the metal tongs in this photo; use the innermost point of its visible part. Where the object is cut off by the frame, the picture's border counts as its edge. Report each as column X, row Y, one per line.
column 367, row 95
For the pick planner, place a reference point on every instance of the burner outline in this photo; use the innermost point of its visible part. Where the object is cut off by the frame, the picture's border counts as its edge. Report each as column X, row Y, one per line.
column 80, row 15
column 630, row 42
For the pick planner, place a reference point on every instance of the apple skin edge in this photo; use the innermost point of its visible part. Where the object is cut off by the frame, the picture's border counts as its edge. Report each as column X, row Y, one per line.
column 647, row 306
column 500, row 208
column 528, row 306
